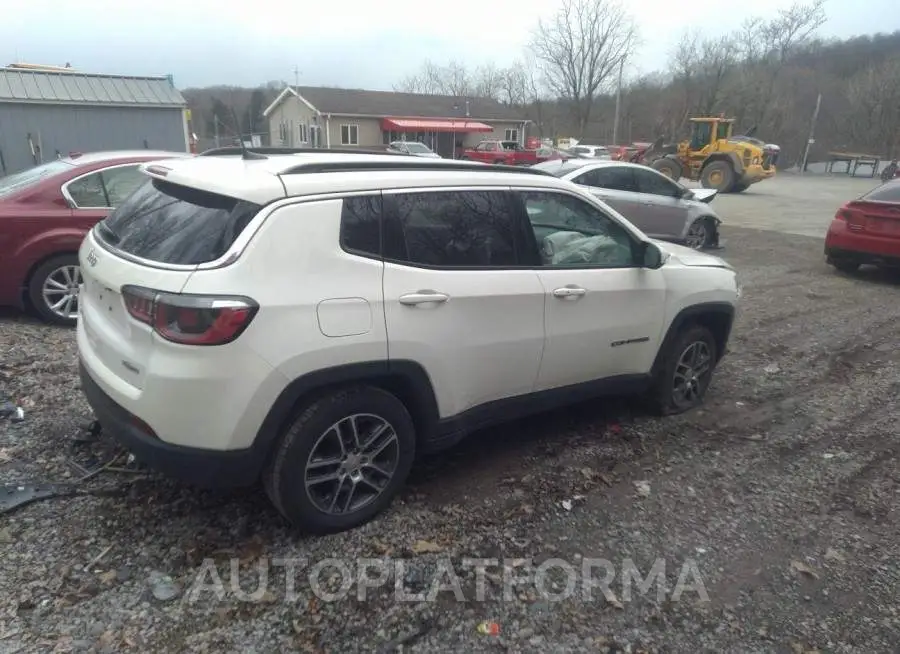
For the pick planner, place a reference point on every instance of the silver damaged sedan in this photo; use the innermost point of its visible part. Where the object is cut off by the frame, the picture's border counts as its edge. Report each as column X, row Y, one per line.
column 652, row 202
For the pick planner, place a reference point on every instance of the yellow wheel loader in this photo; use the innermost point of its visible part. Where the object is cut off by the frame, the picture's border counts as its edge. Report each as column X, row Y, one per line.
column 715, row 157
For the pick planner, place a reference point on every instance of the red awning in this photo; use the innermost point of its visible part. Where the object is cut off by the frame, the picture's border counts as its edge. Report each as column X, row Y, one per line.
column 433, row 125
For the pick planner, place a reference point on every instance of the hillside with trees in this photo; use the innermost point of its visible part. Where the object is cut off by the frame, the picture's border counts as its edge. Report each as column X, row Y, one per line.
column 767, row 73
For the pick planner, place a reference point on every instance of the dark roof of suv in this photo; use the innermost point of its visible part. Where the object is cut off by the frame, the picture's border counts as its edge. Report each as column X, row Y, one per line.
column 388, row 103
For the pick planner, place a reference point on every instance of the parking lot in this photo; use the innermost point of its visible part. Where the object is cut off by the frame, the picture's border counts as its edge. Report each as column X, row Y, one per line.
column 782, row 492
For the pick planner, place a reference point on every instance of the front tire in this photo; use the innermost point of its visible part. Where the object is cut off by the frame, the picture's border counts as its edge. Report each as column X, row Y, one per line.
column 686, row 371
column 342, row 460
column 700, row 234
column 53, row 290
column 718, row 175
column 739, row 188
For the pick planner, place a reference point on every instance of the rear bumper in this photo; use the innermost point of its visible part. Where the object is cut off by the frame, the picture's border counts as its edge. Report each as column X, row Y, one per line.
column 844, row 244
column 198, row 467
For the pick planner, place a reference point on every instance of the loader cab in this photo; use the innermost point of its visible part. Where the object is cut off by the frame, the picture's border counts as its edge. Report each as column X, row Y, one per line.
column 706, row 131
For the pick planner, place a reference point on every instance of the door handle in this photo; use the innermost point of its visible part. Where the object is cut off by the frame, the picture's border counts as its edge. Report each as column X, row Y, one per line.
column 423, row 297
column 568, row 291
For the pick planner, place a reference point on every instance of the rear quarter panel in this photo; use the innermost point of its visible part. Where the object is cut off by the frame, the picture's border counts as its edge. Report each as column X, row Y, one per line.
column 26, row 240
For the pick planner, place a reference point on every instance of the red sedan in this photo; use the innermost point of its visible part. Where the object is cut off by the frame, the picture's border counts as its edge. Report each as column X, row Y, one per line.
column 866, row 230
column 45, row 212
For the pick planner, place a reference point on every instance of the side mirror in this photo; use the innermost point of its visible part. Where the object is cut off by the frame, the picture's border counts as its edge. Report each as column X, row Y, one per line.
column 686, row 194
column 651, row 256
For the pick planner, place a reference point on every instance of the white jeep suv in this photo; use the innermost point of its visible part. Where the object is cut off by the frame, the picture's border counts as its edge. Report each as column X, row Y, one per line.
column 317, row 319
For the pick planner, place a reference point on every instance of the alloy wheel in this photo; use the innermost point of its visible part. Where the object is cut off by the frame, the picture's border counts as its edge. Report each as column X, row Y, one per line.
column 60, row 291
column 697, row 235
column 691, row 374
column 352, row 463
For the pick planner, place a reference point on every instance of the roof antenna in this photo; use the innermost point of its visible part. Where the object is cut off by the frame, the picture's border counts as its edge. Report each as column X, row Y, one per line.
column 246, row 154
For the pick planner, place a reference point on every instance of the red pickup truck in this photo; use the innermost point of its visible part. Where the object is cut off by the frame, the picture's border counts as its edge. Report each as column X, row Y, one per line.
column 509, row 153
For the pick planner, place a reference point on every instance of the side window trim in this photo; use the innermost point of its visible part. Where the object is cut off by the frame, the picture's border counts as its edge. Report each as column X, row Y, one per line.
column 64, row 189
column 390, row 210
column 633, row 238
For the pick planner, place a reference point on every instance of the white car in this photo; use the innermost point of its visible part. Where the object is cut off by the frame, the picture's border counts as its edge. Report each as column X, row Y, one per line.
column 592, row 151
column 315, row 320
column 413, row 148
column 655, row 204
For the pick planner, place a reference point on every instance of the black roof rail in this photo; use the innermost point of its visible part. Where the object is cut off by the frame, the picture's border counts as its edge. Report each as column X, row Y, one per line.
column 410, row 163
column 264, row 150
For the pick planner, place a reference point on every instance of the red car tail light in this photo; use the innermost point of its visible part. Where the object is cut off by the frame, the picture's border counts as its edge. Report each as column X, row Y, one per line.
column 190, row 319
column 854, row 218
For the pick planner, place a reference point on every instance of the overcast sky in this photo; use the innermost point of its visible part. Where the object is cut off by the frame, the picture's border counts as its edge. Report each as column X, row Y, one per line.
column 350, row 43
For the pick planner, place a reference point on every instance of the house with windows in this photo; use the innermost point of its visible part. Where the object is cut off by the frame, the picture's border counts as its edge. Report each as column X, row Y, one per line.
column 322, row 117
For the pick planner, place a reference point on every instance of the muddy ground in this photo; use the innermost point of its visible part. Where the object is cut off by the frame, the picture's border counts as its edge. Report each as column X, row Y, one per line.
column 782, row 493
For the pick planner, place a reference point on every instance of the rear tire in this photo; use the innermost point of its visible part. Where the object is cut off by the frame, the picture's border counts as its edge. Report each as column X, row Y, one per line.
column 718, row 175
column 844, row 266
column 325, row 462
column 739, row 188
column 53, row 290
column 677, row 373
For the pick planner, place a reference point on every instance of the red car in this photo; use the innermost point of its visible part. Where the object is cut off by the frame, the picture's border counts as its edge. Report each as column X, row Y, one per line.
column 45, row 212
column 866, row 230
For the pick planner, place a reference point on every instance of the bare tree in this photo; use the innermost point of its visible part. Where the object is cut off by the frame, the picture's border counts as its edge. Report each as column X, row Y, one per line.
column 581, row 48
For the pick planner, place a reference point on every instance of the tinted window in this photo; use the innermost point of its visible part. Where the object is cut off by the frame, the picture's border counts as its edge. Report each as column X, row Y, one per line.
column 615, row 178
column 452, row 229
column 571, row 232
column 653, row 183
column 175, row 224
column 361, row 224
column 889, row 192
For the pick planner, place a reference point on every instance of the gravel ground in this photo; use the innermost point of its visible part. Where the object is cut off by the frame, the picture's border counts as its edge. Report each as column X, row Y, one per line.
column 780, row 497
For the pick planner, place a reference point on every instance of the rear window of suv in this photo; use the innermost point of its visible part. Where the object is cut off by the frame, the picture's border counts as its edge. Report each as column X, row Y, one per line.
column 174, row 224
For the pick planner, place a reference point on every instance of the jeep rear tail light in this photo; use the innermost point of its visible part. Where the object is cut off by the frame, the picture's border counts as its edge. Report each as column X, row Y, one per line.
column 190, row 319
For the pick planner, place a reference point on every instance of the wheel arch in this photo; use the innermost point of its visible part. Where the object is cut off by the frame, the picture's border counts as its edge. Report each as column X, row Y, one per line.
column 718, row 317
column 407, row 380
column 29, row 273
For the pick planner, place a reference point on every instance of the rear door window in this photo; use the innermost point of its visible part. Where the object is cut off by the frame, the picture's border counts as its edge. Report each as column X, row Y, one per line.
column 105, row 188
column 174, row 224
column 452, row 229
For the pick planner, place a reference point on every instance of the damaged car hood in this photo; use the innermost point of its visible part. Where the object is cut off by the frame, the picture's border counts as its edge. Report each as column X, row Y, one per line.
column 690, row 257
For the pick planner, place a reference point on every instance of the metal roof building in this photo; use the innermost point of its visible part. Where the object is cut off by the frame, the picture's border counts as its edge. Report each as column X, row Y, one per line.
column 47, row 111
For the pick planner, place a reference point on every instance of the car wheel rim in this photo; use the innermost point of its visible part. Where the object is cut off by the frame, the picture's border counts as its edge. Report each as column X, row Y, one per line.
column 351, row 464
column 60, row 291
column 691, row 374
column 696, row 236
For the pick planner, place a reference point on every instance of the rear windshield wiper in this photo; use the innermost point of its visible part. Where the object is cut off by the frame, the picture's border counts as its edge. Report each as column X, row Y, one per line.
column 109, row 233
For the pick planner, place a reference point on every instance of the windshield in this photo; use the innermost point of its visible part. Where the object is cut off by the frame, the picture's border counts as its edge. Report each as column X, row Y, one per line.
column 417, row 147
column 26, row 178
column 170, row 223
column 560, row 167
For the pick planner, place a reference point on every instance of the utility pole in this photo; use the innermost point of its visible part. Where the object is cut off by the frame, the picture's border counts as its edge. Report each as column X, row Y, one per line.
column 216, row 128
column 615, row 137
column 812, row 133
column 296, row 75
